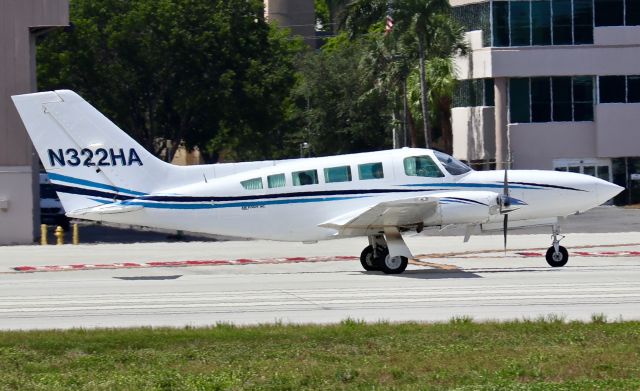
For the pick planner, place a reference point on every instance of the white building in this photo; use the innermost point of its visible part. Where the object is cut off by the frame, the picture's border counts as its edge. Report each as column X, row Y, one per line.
column 551, row 84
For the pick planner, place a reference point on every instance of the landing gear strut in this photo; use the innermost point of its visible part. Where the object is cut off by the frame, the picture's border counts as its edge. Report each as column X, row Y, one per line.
column 387, row 253
column 557, row 256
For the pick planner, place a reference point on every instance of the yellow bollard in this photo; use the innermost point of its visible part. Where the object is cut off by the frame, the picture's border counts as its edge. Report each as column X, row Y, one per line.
column 76, row 235
column 43, row 235
column 59, row 235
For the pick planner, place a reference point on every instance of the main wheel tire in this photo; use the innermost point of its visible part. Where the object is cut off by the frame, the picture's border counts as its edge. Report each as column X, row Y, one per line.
column 558, row 259
column 367, row 260
column 394, row 265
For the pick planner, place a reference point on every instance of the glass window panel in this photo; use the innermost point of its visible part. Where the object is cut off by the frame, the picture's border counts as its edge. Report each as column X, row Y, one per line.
column 421, row 166
column 541, row 22
column 277, row 180
column 632, row 13
column 500, row 23
column 575, row 169
column 519, row 23
column 451, row 164
column 304, row 178
column 582, row 22
column 370, row 171
column 489, row 99
column 633, row 89
column 561, row 22
column 560, row 168
column 612, row 89
column 603, row 173
column 252, row 184
column 561, row 87
column 609, row 12
column 589, row 170
column 519, row 100
column 337, row 174
column 583, row 98
column 540, row 99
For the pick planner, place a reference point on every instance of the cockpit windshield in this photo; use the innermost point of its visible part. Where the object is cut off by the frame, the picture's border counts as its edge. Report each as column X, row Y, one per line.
column 451, row 164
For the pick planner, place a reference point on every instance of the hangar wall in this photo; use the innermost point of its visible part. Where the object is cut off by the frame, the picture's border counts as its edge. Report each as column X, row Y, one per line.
column 20, row 23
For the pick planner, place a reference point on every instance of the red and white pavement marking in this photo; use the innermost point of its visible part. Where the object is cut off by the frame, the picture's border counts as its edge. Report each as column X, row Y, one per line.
column 599, row 254
column 141, row 265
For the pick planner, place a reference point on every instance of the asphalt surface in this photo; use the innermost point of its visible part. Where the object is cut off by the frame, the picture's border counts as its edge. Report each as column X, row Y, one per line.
column 252, row 282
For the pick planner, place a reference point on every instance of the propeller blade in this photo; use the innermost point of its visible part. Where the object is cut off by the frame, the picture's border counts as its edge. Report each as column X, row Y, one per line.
column 505, row 225
column 505, row 189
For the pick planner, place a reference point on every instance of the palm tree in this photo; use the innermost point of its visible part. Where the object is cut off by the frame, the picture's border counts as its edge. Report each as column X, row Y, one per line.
column 421, row 30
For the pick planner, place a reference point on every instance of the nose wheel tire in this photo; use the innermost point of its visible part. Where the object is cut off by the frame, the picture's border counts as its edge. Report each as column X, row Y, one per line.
column 394, row 265
column 557, row 259
column 371, row 262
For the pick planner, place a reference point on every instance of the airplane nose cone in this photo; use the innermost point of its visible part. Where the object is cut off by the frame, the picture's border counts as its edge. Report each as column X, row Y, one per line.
column 607, row 190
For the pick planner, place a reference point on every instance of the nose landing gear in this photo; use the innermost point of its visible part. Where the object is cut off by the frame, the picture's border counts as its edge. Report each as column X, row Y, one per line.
column 557, row 256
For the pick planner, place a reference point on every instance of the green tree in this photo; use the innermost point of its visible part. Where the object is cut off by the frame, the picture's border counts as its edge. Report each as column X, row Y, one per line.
column 340, row 110
column 211, row 73
column 423, row 32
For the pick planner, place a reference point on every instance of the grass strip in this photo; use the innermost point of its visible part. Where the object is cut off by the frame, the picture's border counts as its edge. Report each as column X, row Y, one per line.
column 521, row 355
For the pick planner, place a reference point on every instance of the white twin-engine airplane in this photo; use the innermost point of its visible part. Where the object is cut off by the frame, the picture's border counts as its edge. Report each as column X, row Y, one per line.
column 102, row 174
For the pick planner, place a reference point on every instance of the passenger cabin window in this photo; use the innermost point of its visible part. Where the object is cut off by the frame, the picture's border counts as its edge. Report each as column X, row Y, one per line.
column 277, row 180
column 451, row 164
column 337, row 174
column 304, row 178
column 422, row 166
column 252, row 184
column 370, row 171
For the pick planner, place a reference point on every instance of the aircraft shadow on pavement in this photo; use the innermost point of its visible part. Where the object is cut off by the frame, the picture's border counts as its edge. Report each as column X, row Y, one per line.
column 432, row 274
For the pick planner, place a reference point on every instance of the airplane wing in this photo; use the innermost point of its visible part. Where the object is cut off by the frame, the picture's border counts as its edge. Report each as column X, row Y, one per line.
column 412, row 212
column 397, row 213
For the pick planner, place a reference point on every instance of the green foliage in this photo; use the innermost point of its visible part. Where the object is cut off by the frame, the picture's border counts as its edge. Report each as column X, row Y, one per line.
column 212, row 73
column 341, row 110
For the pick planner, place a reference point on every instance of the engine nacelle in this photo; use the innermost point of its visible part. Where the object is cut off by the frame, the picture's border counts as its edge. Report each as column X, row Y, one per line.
column 466, row 207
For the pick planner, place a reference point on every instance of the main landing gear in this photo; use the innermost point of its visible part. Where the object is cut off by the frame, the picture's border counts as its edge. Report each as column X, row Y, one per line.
column 387, row 253
column 557, row 256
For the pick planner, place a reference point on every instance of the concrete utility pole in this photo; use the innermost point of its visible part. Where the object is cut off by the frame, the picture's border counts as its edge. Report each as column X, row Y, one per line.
column 500, row 93
column 21, row 21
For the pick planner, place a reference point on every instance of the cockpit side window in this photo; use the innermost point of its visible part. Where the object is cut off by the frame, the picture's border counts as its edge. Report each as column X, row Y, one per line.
column 422, row 166
column 451, row 164
column 252, row 184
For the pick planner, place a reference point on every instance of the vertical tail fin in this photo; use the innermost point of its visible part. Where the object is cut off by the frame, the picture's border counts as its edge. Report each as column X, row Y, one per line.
column 86, row 155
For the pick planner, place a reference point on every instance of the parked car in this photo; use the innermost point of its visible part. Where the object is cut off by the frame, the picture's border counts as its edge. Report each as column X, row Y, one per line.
column 51, row 210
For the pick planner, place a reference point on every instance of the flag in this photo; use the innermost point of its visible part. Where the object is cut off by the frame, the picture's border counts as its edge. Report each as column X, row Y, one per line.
column 389, row 25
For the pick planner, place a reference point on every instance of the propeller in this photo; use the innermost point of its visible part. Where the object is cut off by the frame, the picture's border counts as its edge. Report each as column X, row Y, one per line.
column 505, row 207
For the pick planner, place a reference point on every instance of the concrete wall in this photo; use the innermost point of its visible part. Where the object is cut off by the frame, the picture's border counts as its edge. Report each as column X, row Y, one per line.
column 618, row 129
column 298, row 15
column 473, row 132
column 20, row 20
column 535, row 145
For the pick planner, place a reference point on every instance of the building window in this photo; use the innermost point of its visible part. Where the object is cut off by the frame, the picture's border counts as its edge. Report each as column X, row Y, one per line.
column 252, row 184
column 632, row 12
column 613, row 89
column 542, row 22
column 304, row 178
column 619, row 89
column 473, row 93
column 546, row 99
column 617, row 12
column 473, row 17
column 277, row 180
column 609, row 12
column 337, row 174
column 370, row 171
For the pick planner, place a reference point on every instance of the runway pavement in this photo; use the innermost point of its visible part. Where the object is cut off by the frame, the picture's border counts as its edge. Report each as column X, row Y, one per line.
column 249, row 282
